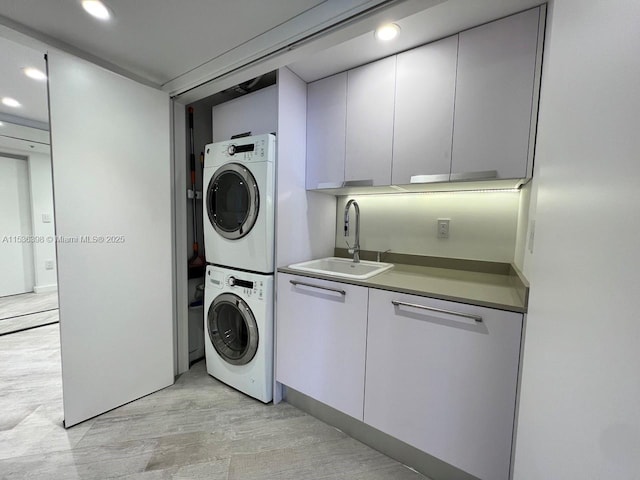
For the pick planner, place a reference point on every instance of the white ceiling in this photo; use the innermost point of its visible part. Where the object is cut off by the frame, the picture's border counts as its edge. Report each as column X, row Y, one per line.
column 181, row 44
column 21, row 140
column 160, row 40
column 436, row 22
column 32, row 94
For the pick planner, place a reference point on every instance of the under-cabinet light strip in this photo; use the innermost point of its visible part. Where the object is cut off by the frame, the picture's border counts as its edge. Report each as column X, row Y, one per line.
column 487, row 190
column 481, row 190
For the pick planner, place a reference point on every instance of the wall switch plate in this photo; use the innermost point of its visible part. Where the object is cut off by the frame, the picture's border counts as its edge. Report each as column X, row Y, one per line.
column 49, row 264
column 46, row 218
column 443, row 228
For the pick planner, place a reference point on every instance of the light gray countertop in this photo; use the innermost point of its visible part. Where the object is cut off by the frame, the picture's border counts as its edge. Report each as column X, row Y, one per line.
column 506, row 290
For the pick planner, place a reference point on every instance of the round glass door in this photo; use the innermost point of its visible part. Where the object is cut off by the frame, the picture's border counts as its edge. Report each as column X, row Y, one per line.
column 232, row 329
column 233, row 201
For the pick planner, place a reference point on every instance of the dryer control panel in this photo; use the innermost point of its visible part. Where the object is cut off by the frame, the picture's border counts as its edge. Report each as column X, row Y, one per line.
column 258, row 148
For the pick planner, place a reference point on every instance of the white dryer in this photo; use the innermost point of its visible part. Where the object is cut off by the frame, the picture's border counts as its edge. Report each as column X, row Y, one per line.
column 239, row 181
column 239, row 330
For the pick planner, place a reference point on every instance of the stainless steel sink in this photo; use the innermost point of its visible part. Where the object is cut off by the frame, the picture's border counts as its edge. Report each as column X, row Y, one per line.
column 343, row 267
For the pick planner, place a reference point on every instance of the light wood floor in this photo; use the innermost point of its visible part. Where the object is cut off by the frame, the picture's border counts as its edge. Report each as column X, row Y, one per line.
column 28, row 310
column 195, row 429
column 26, row 303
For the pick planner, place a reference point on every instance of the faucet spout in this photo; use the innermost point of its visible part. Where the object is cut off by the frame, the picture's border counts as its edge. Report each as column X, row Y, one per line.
column 355, row 250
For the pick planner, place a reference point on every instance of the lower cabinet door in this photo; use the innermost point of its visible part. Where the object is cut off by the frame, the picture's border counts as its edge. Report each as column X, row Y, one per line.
column 444, row 382
column 321, row 330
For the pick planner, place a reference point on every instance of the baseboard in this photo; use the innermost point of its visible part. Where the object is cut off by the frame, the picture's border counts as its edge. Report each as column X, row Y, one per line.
column 404, row 453
column 45, row 288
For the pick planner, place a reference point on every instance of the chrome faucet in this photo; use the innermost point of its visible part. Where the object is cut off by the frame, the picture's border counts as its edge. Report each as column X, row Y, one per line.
column 355, row 250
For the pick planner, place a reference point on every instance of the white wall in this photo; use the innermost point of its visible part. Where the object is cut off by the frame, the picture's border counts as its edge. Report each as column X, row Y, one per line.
column 42, row 203
column 482, row 225
column 256, row 112
column 304, row 220
column 16, row 256
column 524, row 226
column 580, row 401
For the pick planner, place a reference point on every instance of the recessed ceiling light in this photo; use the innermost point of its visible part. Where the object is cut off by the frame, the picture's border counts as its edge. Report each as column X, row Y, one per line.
column 34, row 73
column 97, row 9
column 387, row 32
column 10, row 102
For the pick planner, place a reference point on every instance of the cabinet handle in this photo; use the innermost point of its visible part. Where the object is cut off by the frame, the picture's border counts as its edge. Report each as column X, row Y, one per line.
column 485, row 175
column 358, row 183
column 435, row 178
column 336, row 290
column 477, row 318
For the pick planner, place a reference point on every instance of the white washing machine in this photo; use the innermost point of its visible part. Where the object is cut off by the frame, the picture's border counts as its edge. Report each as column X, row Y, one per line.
column 238, row 324
column 239, row 181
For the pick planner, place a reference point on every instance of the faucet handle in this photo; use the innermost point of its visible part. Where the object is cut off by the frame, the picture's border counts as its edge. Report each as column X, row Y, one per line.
column 382, row 253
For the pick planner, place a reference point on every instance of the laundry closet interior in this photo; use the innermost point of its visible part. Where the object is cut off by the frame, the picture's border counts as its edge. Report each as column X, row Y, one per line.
column 231, row 255
column 249, row 107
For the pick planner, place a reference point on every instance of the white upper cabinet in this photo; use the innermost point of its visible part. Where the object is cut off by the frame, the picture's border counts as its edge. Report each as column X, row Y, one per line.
column 461, row 108
column 496, row 97
column 370, row 102
column 423, row 126
column 326, row 118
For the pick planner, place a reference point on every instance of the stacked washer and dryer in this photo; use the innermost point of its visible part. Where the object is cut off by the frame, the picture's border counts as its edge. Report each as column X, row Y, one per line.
column 239, row 231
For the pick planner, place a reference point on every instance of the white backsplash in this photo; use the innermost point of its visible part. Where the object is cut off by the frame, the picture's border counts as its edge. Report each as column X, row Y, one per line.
column 483, row 225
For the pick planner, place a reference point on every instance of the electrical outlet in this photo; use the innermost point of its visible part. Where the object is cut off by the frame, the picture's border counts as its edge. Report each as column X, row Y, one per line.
column 443, row 228
column 49, row 264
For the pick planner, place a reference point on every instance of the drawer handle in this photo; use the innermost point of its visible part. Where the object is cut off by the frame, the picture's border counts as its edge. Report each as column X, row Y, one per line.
column 477, row 318
column 304, row 284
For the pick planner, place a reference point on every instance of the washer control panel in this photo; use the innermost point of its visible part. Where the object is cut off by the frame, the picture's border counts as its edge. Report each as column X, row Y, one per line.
column 249, row 288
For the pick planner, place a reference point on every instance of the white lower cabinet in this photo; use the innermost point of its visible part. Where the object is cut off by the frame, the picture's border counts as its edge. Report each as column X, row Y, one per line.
column 443, row 382
column 440, row 376
column 321, row 340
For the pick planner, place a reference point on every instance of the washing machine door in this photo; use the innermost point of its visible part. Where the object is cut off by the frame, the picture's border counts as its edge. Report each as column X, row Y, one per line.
column 233, row 201
column 232, row 329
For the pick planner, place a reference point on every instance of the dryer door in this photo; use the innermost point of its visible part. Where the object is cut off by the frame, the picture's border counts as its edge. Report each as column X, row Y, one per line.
column 233, row 201
column 232, row 329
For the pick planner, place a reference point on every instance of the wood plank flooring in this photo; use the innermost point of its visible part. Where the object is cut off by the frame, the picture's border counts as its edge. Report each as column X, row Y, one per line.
column 28, row 310
column 198, row 428
column 15, row 324
column 26, row 303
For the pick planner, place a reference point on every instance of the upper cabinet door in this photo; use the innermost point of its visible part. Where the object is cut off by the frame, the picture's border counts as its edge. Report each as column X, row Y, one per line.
column 494, row 104
column 425, row 91
column 370, row 98
column 326, row 117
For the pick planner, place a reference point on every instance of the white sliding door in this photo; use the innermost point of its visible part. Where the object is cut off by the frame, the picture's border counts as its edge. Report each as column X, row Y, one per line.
column 112, row 193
